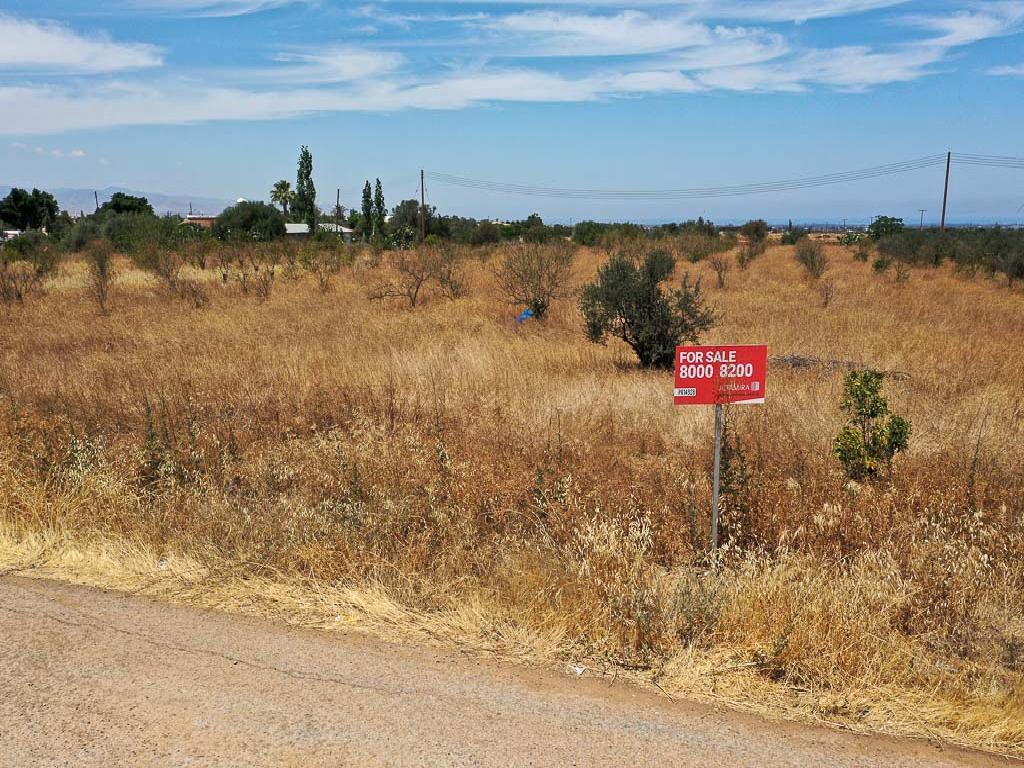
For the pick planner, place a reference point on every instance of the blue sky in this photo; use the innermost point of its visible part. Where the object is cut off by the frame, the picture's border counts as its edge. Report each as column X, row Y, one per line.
column 214, row 97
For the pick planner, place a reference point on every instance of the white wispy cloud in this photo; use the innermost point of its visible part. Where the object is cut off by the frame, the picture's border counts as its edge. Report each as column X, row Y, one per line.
column 750, row 10
column 1009, row 70
column 787, row 10
column 49, row 152
column 49, row 47
column 552, row 33
column 210, row 8
column 343, row 64
column 550, row 54
column 996, row 19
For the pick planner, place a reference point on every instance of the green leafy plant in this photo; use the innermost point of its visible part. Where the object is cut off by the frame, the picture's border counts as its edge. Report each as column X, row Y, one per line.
column 884, row 226
column 873, row 435
column 881, row 263
column 794, row 235
column 627, row 301
column 749, row 252
column 755, row 230
column 862, row 249
column 249, row 222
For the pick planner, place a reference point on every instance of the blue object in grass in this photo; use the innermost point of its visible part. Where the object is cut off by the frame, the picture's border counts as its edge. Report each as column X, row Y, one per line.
column 525, row 315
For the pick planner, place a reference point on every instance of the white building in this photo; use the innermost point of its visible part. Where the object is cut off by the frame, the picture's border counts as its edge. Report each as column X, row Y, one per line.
column 302, row 229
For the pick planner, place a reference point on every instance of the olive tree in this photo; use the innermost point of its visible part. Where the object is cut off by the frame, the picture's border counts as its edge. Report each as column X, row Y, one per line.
column 627, row 301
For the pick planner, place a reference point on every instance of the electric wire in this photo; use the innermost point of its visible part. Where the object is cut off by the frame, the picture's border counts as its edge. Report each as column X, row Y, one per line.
column 888, row 169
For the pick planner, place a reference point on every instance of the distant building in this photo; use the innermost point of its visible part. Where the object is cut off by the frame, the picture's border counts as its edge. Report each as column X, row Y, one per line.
column 300, row 230
column 9, row 234
column 199, row 220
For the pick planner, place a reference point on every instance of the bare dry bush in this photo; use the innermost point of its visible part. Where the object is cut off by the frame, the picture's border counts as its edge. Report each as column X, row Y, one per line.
column 533, row 275
column 99, row 256
column 324, row 262
column 19, row 280
column 414, row 272
column 827, row 292
column 720, row 264
column 810, row 254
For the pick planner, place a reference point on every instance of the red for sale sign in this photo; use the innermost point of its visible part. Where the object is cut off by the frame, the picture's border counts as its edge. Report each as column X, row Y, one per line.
column 717, row 375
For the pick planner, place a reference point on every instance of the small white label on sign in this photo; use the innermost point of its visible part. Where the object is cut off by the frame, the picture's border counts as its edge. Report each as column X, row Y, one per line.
column 686, row 392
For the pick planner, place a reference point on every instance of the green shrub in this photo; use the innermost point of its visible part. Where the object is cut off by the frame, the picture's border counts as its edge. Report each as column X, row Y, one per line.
column 873, row 435
column 746, row 255
column 883, row 226
column 755, row 230
column 627, row 301
column 249, row 222
column 810, row 254
column 862, row 250
column 25, row 263
column 794, row 236
column 80, row 234
column 34, row 247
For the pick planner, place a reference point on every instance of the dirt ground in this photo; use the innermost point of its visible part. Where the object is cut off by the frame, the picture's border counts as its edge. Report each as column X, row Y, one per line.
column 90, row 678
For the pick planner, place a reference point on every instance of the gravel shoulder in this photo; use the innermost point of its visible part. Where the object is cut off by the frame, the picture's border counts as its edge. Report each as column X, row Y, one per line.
column 94, row 678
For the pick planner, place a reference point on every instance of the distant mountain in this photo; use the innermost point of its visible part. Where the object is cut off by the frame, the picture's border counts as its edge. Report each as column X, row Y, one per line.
column 76, row 200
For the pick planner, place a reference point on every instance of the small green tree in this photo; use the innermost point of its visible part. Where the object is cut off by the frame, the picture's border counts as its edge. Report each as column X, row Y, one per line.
column 304, row 201
column 367, row 210
column 123, row 204
column 883, row 226
column 627, row 301
column 794, row 235
column 26, row 210
column 380, row 210
column 249, row 221
column 873, row 435
column 755, row 230
column 281, row 194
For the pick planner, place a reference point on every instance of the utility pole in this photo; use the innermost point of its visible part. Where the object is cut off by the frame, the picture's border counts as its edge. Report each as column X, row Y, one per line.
column 96, row 197
column 923, row 212
column 337, row 213
column 423, row 207
column 945, row 193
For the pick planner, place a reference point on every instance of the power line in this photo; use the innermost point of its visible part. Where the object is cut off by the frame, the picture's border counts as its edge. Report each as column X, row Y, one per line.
column 694, row 192
column 996, row 161
column 888, row 169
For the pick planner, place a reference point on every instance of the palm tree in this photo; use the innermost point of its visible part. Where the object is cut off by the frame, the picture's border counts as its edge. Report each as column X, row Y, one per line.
column 282, row 194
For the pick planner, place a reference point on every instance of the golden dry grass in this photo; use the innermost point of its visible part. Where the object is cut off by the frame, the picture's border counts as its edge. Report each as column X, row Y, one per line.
column 444, row 474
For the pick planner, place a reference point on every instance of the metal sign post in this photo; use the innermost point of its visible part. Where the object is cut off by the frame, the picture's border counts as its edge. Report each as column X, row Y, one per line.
column 714, row 482
column 718, row 375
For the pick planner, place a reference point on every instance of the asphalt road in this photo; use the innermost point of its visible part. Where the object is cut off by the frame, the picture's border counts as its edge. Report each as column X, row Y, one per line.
column 89, row 678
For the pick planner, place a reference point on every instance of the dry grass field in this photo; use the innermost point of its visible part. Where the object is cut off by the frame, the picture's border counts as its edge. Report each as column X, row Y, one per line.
column 445, row 474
